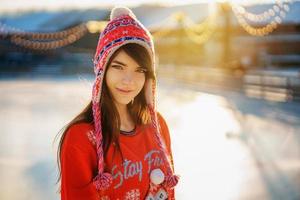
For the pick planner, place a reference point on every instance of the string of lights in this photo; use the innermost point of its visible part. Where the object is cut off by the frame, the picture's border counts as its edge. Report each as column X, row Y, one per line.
column 197, row 32
column 8, row 30
column 279, row 9
column 47, row 45
column 202, row 33
column 158, row 30
column 277, row 13
column 199, row 39
column 198, row 28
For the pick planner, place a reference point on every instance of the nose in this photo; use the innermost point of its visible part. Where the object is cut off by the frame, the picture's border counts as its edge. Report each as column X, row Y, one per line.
column 128, row 78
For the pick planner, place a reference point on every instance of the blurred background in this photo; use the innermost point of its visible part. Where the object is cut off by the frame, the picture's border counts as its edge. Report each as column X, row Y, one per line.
column 228, row 86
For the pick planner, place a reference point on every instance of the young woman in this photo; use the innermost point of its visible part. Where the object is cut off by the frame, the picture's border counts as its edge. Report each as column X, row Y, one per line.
column 119, row 147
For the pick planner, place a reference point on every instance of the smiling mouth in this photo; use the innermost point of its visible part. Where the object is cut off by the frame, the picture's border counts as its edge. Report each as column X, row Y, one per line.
column 124, row 91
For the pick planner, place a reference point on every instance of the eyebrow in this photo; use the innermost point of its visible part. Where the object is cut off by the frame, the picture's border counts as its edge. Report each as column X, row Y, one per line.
column 120, row 63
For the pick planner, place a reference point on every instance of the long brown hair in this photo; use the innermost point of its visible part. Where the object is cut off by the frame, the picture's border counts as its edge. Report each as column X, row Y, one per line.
column 110, row 119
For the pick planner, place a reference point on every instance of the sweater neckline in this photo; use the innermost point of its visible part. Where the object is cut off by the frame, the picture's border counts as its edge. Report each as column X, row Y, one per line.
column 129, row 133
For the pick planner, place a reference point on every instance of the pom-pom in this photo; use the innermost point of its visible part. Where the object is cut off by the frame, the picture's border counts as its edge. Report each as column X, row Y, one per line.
column 120, row 11
column 102, row 181
column 157, row 176
column 171, row 181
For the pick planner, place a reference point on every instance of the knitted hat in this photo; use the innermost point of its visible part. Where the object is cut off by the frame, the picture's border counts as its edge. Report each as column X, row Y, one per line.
column 123, row 28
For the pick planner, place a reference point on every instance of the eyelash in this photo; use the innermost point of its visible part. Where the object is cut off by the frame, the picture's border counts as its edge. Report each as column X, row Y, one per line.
column 117, row 66
column 141, row 70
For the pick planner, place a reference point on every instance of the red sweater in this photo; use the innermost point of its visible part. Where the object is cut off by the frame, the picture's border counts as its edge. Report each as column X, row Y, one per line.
column 130, row 178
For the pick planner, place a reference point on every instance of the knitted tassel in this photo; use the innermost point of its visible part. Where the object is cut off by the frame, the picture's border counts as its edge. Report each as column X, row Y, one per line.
column 102, row 181
column 171, row 181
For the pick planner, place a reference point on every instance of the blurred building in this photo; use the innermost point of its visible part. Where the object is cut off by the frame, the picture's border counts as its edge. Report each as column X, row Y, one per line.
column 222, row 47
column 207, row 37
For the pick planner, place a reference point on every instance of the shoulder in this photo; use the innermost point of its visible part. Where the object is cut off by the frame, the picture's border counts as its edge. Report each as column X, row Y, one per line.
column 79, row 135
column 162, row 122
column 164, row 128
column 160, row 118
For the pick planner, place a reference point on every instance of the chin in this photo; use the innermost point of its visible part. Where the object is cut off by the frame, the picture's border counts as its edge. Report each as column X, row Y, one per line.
column 123, row 102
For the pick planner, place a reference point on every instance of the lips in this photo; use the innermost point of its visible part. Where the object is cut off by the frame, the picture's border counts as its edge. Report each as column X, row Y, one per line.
column 124, row 91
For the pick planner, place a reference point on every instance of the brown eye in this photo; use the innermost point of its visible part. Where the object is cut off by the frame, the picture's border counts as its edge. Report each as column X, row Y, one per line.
column 117, row 67
column 142, row 70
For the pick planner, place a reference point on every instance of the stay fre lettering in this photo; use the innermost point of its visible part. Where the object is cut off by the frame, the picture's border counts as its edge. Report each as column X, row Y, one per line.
column 130, row 169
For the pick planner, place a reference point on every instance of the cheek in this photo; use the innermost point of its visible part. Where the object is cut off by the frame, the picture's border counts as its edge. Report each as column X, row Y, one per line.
column 109, row 79
column 141, row 82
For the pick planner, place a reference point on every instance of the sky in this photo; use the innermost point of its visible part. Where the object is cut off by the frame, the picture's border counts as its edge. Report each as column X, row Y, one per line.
column 7, row 6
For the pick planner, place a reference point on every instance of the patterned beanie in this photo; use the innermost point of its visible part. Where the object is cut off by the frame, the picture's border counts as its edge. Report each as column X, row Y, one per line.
column 123, row 28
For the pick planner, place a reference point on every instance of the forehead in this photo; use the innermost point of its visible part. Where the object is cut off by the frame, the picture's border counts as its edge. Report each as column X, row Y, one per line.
column 124, row 58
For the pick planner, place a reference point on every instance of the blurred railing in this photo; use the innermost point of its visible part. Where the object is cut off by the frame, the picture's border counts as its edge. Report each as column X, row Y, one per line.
column 210, row 78
column 276, row 85
column 272, row 85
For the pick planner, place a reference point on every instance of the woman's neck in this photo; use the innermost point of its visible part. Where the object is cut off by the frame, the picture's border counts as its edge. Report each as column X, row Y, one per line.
column 127, row 123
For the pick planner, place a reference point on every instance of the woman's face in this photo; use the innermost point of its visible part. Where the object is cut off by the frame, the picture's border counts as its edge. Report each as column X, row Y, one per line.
column 124, row 78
